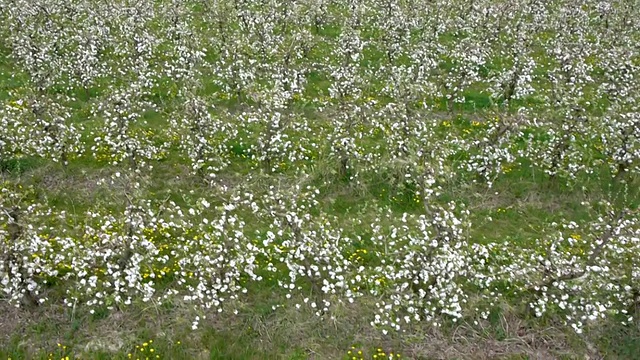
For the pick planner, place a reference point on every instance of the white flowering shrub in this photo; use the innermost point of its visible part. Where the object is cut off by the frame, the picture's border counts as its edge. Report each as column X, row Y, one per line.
column 65, row 46
column 275, row 133
column 491, row 147
column 423, row 269
column 306, row 253
column 513, row 58
column 29, row 255
column 117, row 250
column 618, row 128
column 350, row 126
column 12, row 133
column 215, row 259
column 46, row 127
column 123, row 137
column 621, row 141
column 115, row 258
column 203, row 137
column 584, row 272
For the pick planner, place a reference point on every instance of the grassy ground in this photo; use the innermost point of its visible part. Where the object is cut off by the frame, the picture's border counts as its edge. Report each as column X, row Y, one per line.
column 519, row 208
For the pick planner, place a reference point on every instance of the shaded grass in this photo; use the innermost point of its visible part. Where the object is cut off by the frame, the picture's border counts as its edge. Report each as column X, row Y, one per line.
column 20, row 165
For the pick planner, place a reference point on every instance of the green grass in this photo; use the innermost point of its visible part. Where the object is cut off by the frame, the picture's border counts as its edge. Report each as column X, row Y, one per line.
column 521, row 204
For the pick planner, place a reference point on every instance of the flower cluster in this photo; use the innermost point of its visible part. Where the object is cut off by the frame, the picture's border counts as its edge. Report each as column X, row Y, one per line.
column 124, row 137
column 422, row 270
column 583, row 271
